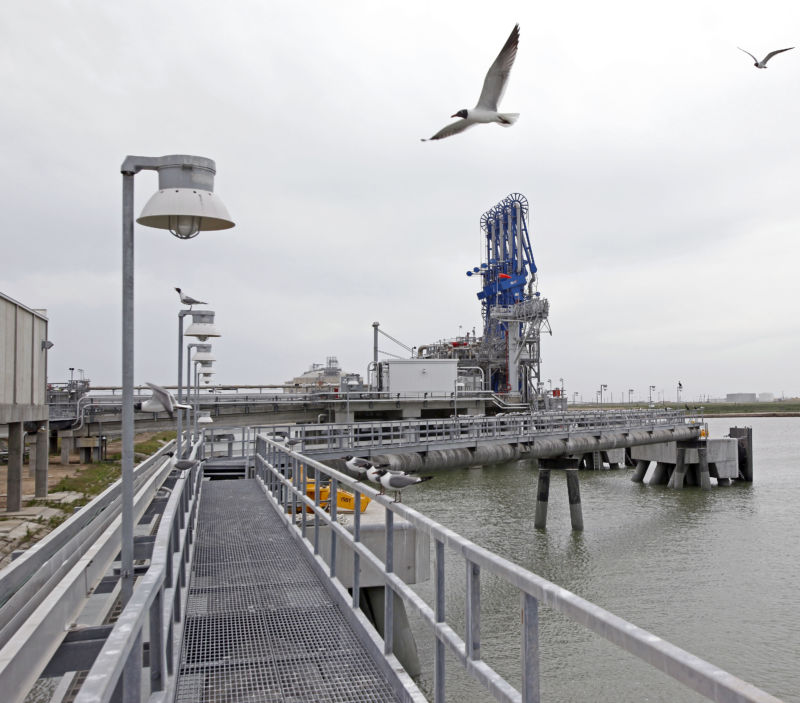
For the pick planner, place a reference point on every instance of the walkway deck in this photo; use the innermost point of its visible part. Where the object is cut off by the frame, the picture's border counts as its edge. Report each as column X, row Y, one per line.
column 260, row 625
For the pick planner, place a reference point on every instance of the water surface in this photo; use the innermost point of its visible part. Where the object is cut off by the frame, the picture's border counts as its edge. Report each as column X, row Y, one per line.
column 714, row 572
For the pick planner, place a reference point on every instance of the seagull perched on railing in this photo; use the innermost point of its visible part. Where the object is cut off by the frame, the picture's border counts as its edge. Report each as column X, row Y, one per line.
column 188, row 300
column 182, row 464
column 398, row 480
column 763, row 62
column 362, row 467
column 494, row 85
column 162, row 401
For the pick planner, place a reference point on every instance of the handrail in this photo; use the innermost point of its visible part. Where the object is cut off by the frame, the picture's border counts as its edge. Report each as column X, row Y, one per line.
column 516, row 427
column 276, row 468
column 158, row 601
column 22, row 583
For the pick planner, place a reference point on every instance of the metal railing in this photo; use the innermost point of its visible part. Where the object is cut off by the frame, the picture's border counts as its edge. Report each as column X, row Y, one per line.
column 512, row 426
column 158, row 603
column 279, row 470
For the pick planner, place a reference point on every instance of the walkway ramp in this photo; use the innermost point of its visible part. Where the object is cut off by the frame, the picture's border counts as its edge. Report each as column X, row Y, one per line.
column 260, row 624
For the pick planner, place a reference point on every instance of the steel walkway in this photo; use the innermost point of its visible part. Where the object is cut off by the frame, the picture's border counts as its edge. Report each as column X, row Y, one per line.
column 260, row 625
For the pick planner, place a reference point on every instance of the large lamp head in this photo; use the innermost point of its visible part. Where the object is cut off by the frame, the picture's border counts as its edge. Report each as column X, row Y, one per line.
column 185, row 203
column 202, row 325
column 203, row 353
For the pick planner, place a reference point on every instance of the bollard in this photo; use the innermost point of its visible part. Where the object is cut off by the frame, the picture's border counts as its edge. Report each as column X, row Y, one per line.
column 574, row 493
column 542, row 495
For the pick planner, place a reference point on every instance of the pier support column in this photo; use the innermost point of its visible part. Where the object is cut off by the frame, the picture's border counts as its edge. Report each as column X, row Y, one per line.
column 702, row 471
column 42, row 463
column 542, row 496
column 574, row 493
column 679, row 474
column 660, row 474
column 66, row 448
column 640, row 470
column 16, row 449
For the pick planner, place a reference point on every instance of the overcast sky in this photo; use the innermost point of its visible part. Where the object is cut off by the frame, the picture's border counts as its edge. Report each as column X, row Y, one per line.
column 661, row 168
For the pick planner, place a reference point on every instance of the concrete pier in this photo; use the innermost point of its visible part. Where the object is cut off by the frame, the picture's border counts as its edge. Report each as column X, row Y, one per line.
column 688, row 463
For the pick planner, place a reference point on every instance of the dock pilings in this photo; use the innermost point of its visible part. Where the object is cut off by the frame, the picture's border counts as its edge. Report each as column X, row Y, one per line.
column 570, row 466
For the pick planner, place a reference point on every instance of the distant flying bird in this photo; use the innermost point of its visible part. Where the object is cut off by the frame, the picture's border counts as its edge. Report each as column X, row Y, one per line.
column 763, row 62
column 398, row 480
column 162, row 401
column 188, row 300
column 494, row 85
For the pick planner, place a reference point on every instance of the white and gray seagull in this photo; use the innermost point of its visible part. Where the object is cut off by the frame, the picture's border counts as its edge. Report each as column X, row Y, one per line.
column 398, row 480
column 189, row 300
column 763, row 62
column 494, row 85
column 162, row 401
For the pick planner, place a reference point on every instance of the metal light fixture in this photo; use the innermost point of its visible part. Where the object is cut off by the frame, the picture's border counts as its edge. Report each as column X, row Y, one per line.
column 185, row 202
column 184, row 205
column 203, row 353
column 202, row 325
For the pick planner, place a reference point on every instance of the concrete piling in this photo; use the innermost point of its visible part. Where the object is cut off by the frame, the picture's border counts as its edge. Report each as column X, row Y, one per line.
column 660, row 474
column 641, row 469
column 16, row 449
column 574, row 493
column 542, row 496
column 744, row 438
column 42, row 463
column 679, row 474
column 703, row 475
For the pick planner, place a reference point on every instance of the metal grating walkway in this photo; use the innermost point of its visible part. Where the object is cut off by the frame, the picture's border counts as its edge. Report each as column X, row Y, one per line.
column 260, row 626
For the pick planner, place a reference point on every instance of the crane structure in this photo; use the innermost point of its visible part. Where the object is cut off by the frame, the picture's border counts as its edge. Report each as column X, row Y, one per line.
column 513, row 311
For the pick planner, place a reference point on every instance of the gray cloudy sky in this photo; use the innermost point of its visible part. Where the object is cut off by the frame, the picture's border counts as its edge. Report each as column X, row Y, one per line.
column 661, row 167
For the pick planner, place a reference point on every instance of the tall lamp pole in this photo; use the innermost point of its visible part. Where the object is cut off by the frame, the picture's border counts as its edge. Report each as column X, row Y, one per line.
column 652, row 388
column 185, row 204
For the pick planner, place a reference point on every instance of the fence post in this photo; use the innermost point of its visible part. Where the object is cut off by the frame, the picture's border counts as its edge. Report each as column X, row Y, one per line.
column 439, row 615
column 530, row 649
column 472, row 643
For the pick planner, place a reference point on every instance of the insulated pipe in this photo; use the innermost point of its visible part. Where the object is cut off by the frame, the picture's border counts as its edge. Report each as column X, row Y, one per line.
column 530, row 448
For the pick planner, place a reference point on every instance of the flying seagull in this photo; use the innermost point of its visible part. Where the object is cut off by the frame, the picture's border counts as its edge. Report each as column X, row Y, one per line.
column 398, row 480
column 494, row 85
column 189, row 300
column 763, row 62
column 162, row 401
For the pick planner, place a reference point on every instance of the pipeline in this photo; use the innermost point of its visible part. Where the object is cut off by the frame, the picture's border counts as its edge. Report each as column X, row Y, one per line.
column 498, row 452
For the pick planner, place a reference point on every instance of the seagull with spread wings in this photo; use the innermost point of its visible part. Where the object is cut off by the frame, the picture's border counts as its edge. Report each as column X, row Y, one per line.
column 763, row 62
column 494, row 85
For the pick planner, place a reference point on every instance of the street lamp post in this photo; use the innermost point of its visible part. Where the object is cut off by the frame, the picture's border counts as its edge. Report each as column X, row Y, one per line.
column 630, row 395
column 202, row 353
column 603, row 387
column 652, row 388
column 185, row 204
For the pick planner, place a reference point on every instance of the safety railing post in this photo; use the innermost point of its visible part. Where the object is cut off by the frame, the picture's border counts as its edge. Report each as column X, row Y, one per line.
column 472, row 640
column 356, row 555
column 332, row 508
column 530, row 649
column 439, row 615
column 157, row 652
column 388, row 593
column 316, row 512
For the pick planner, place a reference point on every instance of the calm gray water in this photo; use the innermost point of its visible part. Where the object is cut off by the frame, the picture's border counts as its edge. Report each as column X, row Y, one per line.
column 716, row 573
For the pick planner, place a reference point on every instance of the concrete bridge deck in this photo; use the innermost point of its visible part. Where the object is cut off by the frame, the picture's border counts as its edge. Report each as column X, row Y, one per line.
column 260, row 625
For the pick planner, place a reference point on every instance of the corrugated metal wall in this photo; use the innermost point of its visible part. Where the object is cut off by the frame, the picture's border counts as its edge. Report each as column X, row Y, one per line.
column 23, row 361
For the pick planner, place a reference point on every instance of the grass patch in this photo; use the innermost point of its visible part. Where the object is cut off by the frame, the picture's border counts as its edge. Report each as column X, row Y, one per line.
column 152, row 445
column 94, row 479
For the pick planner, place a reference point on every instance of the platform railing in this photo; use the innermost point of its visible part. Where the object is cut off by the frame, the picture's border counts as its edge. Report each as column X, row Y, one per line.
column 278, row 468
column 157, row 608
column 513, row 426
